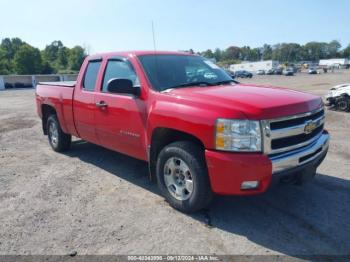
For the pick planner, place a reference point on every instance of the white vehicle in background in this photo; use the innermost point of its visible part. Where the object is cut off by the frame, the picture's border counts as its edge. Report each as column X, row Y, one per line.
column 260, row 72
column 339, row 97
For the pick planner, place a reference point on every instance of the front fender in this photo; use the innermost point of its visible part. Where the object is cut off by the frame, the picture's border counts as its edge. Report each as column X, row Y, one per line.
column 192, row 120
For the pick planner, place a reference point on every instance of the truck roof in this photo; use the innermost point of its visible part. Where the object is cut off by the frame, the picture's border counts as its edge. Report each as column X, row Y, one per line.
column 137, row 53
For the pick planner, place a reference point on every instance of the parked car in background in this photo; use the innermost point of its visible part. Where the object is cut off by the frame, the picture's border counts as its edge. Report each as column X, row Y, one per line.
column 260, row 72
column 230, row 73
column 278, row 71
column 339, row 97
column 243, row 74
column 312, row 71
column 269, row 72
column 288, row 72
column 8, row 85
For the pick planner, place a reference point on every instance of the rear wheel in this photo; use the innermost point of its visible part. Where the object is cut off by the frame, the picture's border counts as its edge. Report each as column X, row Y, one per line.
column 183, row 178
column 58, row 140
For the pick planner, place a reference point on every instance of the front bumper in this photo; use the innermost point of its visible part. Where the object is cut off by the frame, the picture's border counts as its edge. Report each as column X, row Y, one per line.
column 227, row 171
column 293, row 159
column 330, row 101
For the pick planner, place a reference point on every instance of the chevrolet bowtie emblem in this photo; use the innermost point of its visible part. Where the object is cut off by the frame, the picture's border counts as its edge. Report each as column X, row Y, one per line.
column 309, row 127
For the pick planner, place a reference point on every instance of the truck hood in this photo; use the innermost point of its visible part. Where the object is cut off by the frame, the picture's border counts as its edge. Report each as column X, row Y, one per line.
column 253, row 101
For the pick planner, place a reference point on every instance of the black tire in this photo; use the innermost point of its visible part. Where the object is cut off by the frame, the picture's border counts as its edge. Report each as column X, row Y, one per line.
column 61, row 141
column 193, row 157
column 343, row 104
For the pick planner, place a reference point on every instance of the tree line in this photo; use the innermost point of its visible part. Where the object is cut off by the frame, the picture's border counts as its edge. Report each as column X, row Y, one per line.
column 19, row 57
column 283, row 52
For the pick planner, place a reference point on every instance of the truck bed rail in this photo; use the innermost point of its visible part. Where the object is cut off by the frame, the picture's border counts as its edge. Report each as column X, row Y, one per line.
column 62, row 83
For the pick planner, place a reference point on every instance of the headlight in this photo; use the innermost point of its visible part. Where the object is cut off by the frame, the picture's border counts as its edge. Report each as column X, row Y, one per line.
column 238, row 135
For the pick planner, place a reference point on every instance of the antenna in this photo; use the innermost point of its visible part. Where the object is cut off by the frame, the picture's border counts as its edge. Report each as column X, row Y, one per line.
column 154, row 39
column 155, row 55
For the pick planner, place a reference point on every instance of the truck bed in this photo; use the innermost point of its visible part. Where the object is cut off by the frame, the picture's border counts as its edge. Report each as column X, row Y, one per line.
column 58, row 95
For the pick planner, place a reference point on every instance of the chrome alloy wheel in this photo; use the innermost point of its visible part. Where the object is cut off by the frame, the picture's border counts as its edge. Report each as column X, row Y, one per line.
column 178, row 178
column 53, row 134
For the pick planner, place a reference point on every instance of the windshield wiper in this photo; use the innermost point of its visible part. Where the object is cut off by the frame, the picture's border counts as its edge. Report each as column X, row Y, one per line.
column 199, row 83
column 225, row 82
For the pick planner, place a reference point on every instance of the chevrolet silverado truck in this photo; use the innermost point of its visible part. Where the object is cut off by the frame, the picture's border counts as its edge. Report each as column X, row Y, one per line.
column 201, row 132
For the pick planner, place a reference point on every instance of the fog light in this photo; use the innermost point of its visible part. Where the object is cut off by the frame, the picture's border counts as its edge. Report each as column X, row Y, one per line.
column 249, row 185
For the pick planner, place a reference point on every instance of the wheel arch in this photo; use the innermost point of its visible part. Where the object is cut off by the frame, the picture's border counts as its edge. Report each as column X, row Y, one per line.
column 46, row 110
column 161, row 137
column 347, row 95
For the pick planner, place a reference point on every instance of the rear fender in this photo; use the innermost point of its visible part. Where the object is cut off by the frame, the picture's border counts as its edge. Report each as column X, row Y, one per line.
column 53, row 107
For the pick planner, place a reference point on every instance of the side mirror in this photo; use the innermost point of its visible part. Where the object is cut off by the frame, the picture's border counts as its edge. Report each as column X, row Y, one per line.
column 123, row 86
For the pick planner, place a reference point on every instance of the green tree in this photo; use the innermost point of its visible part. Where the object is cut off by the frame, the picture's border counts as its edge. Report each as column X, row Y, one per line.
column 16, row 56
column 46, row 68
column 346, row 52
column 208, row 53
column 255, row 54
column 11, row 47
column 217, row 54
column 227, row 63
column 27, row 60
column 333, row 49
column 76, row 57
column 315, row 51
column 266, row 52
column 50, row 52
column 56, row 54
column 62, row 58
column 232, row 52
column 244, row 53
column 286, row 52
column 5, row 65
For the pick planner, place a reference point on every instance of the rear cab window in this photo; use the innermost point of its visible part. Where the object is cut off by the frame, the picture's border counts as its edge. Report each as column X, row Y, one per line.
column 91, row 75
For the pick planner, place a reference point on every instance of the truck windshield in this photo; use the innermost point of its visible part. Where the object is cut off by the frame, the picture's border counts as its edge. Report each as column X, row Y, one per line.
column 175, row 71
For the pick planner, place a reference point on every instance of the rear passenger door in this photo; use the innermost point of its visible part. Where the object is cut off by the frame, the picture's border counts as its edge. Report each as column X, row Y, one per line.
column 84, row 101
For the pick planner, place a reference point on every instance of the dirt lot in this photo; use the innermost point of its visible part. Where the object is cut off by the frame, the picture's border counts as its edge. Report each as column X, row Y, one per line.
column 94, row 201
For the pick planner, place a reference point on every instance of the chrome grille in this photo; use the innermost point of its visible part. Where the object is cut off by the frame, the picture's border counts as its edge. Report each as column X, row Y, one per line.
column 292, row 132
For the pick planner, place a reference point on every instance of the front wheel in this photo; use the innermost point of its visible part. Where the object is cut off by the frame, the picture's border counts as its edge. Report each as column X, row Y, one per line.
column 343, row 104
column 183, row 177
column 58, row 140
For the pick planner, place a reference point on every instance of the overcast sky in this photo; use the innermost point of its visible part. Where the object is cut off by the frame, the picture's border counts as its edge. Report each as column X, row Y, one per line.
column 113, row 25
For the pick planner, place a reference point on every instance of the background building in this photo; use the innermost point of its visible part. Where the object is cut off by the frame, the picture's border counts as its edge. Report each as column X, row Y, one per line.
column 255, row 66
column 336, row 62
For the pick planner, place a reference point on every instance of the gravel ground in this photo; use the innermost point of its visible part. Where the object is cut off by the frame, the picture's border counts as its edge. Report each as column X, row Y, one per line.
column 95, row 201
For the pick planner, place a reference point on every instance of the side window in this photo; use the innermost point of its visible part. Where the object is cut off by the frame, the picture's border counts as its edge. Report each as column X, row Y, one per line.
column 118, row 69
column 91, row 75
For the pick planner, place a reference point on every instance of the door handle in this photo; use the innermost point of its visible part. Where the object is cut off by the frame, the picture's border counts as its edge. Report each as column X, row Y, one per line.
column 101, row 104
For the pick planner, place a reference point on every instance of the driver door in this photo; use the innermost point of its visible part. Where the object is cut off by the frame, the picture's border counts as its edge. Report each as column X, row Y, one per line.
column 120, row 122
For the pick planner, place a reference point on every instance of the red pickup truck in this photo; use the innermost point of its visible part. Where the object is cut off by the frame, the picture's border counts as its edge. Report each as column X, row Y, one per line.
column 199, row 130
